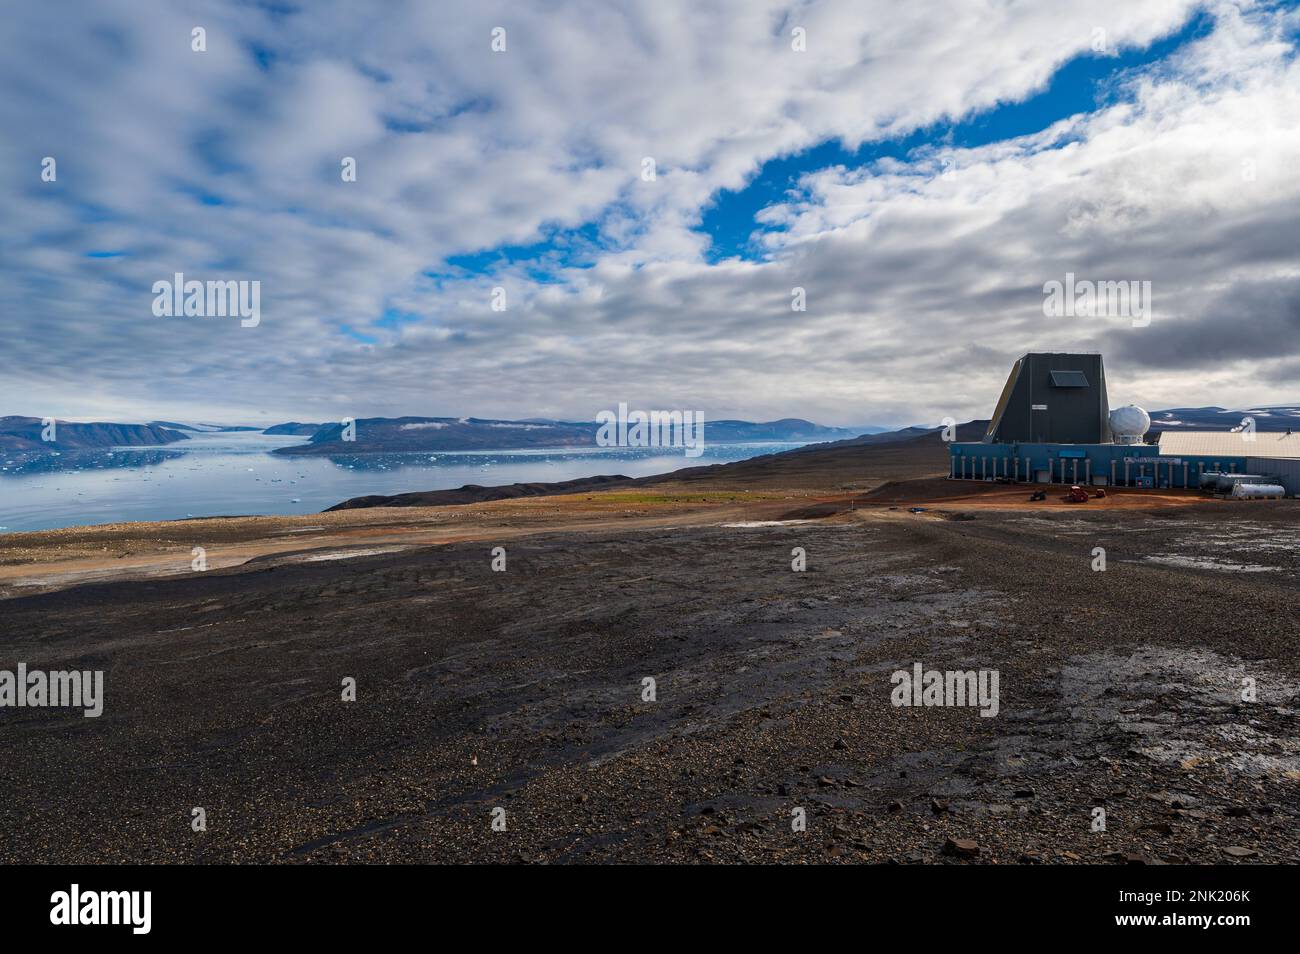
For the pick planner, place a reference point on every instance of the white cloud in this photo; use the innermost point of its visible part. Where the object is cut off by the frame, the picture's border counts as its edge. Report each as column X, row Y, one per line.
column 921, row 287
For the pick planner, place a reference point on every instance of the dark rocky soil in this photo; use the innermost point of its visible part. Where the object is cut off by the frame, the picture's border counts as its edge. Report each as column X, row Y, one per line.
column 475, row 493
column 522, row 690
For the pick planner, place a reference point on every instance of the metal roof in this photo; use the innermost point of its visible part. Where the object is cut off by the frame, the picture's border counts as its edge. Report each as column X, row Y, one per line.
column 1228, row 444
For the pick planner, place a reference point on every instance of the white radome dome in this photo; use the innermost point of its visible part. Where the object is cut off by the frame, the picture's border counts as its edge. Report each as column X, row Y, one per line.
column 1129, row 423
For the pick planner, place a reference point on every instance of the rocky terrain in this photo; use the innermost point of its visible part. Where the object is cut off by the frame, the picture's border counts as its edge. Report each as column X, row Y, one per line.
column 520, row 696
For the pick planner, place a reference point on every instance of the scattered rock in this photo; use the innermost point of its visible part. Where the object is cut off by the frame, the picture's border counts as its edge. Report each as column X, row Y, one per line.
column 1126, row 857
column 961, row 848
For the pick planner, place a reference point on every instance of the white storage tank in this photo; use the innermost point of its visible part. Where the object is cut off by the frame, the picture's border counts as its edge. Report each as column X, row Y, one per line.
column 1258, row 490
column 1225, row 482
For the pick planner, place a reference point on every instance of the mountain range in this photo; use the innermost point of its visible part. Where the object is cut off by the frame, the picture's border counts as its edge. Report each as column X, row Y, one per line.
column 1277, row 417
column 295, row 428
column 25, row 434
column 421, row 434
column 202, row 428
column 432, row 434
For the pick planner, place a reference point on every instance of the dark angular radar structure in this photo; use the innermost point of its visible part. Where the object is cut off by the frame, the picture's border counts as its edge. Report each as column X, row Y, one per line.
column 1053, row 399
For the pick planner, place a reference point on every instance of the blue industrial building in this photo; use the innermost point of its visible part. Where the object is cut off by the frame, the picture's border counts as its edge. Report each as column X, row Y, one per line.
column 1100, row 465
column 1053, row 425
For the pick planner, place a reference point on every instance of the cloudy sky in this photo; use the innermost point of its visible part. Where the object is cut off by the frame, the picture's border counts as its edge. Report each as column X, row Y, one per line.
column 919, row 169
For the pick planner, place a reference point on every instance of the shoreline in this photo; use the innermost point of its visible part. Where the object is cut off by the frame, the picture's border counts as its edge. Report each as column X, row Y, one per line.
column 102, row 490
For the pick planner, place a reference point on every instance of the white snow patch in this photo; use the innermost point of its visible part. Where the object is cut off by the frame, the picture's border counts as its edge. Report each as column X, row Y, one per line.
column 767, row 523
column 1209, row 563
column 345, row 554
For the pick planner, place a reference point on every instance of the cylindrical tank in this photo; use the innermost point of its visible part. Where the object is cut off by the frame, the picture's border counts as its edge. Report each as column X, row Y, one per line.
column 1259, row 490
column 1128, row 424
column 1225, row 482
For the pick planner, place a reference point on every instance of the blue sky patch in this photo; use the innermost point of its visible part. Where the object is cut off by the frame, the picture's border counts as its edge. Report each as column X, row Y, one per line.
column 1081, row 85
column 542, row 260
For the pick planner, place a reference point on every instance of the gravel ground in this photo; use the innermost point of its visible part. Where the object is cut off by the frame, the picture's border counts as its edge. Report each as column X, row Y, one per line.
column 522, row 690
